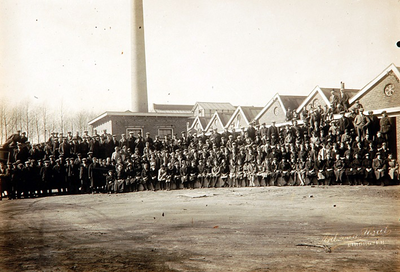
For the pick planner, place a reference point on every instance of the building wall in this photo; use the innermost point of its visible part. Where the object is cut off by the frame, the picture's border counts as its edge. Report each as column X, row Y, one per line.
column 103, row 126
column 376, row 98
column 216, row 124
column 315, row 101
column 148, row 124
column 238, row 121
column 273, row 113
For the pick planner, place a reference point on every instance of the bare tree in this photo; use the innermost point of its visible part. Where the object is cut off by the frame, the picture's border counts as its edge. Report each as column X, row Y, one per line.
column 44, row 120
column 3, row 122
column 62, row 117
column 37, row 125
column 38, row 120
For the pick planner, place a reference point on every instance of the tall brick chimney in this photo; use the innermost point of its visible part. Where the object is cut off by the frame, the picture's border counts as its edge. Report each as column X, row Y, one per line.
column 138, row 66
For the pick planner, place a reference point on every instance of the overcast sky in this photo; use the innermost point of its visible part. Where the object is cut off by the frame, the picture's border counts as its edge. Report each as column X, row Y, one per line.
column 77, row 52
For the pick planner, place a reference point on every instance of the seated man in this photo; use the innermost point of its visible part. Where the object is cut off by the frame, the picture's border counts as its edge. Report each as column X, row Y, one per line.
column 110, row 181
column 380, row 167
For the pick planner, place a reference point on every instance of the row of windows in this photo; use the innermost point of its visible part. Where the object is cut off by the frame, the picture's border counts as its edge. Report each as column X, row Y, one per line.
column 161, row 131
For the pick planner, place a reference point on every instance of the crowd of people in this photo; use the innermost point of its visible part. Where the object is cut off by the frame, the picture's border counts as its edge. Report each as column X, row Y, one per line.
column 352, row 150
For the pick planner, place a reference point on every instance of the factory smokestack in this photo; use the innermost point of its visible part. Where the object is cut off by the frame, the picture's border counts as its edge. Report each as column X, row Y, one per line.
column 138, row 77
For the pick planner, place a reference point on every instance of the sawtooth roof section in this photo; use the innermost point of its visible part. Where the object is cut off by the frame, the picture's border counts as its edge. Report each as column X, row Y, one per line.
column 225, row 117
column 172, row 108
column 215, row 106
column 292, row 101
column 204, row 121
column 350, row 92
column 251, row 112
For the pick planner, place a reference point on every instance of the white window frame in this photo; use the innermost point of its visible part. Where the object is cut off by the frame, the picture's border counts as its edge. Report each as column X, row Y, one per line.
column 165, row 128
column 135, row 130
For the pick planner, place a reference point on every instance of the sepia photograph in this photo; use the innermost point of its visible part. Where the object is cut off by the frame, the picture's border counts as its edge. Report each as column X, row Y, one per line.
column 189, row 135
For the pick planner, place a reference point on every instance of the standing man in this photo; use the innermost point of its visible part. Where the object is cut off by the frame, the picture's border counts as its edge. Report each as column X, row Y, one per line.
column 131, row 141
column 344, row 123
column 251, row 131
column 373, row 125
column 385, row 125
column 343, row 100
column 334, row 100
column 361, row 123
column 140, row 143
column 273, row 134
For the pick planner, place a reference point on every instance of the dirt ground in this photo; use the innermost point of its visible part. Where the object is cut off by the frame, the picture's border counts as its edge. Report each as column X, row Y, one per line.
column 336, row 228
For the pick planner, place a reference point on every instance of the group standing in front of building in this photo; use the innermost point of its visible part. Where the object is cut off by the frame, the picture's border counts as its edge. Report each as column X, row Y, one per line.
column 352, row 150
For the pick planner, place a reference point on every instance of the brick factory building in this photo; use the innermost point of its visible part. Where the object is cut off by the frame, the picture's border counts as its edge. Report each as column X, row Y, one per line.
column 381, row 94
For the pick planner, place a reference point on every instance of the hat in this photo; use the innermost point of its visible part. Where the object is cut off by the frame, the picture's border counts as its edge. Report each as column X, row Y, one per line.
column 384, row 112
column 361, row 109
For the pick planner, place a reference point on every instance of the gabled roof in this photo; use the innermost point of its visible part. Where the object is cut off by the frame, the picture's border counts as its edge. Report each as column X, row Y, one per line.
column 292, row 101
column 248, row 112
column 317, row 89
column 172, row 108
column 350, row 92
column 390, row 69
column 286, row 101
column 203, row 121
column 222, row 118
column 214, row 106
column 325, row 94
